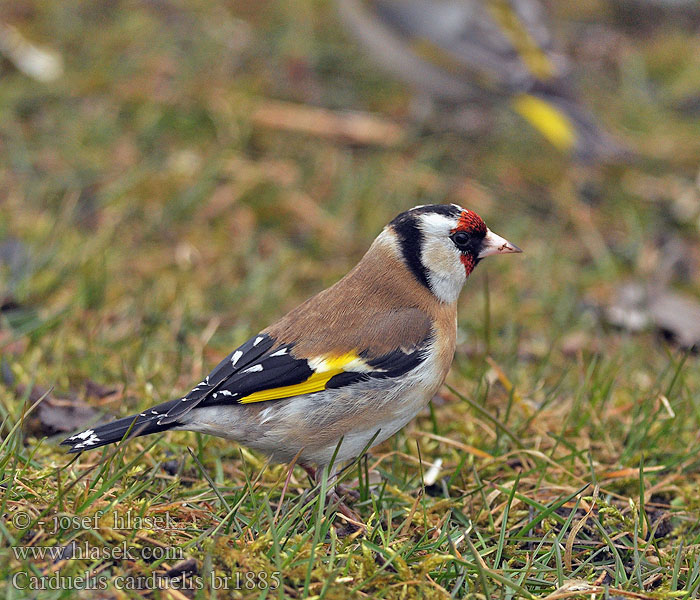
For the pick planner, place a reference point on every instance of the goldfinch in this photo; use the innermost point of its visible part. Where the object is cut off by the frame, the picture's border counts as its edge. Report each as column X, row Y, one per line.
column 348, row 367
column 459, row 52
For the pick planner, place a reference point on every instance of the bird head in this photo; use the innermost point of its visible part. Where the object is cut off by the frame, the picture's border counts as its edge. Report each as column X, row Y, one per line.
column 442, row 243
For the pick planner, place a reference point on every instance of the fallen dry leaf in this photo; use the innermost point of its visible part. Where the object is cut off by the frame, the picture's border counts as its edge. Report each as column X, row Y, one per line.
column 55, row 415
column 638, row 307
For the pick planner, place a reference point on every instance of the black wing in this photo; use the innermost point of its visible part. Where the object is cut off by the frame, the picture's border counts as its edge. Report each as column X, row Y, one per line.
column 259, row 370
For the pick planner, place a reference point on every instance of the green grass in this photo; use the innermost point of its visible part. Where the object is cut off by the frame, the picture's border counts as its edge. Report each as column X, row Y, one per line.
column 161, row 225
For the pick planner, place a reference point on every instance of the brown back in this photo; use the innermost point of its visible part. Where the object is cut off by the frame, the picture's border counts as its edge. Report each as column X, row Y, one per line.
column 377, row 307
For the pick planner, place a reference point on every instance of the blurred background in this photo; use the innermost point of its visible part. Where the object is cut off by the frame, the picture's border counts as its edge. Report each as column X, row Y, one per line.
column 170, row 168
column 175, row 175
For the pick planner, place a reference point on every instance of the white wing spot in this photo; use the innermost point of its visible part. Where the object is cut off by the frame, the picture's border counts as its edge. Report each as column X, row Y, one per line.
column 201, row 383
column 93, row 439
column 225, row 393
column 258, row 340
column 236, row 357
column 280, row 352
column 254, row 369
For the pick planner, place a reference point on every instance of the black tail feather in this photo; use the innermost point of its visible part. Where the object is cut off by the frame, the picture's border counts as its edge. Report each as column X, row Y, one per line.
column 144, row 423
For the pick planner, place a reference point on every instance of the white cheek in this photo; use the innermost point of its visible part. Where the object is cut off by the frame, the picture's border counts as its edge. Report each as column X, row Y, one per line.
column 446, row 272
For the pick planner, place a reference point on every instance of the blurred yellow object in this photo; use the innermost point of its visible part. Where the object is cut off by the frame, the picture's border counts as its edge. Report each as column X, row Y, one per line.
column 552, row 123
column 525, row 44
column 462, row 52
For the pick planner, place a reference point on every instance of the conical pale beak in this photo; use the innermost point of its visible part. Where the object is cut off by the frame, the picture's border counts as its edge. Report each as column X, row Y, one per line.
column 495, row 244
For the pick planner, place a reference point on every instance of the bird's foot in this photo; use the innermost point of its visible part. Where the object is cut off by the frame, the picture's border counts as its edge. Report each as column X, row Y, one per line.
column 352, row 518
column 336, row 495
column 347, row 490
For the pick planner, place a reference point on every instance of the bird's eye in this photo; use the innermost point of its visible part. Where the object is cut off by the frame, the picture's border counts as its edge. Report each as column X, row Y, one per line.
column 461, row 239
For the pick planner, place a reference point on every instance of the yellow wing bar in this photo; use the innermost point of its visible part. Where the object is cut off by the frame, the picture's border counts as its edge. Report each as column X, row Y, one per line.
column 324, row 370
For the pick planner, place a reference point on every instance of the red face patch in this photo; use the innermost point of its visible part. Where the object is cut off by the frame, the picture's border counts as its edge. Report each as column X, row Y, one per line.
column 469, row 263
column 470, row 222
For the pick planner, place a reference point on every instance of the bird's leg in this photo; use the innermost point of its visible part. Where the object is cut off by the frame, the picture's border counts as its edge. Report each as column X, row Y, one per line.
column 340, row 488
column 310, row 471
